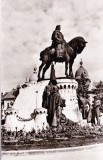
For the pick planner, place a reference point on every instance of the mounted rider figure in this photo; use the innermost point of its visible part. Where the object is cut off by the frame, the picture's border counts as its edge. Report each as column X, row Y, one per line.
column 58, row 42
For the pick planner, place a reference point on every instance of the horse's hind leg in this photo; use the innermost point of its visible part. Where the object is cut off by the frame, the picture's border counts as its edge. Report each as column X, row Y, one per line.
column 40, row 68
column 66, row 69
column 45, row 68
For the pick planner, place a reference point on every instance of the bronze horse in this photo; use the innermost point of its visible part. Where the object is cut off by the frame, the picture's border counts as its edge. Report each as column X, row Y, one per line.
column 71, row 49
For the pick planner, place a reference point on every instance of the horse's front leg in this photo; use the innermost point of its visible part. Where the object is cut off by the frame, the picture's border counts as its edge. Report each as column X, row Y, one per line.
column 66, row 69
column 45, row 68
column 70, row 70
column 40, row 68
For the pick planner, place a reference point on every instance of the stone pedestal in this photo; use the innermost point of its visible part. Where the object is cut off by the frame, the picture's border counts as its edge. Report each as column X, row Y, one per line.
column 30, row 99
column 67, row 89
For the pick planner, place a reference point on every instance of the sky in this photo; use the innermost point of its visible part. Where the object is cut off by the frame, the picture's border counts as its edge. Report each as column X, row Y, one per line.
column 27, row 27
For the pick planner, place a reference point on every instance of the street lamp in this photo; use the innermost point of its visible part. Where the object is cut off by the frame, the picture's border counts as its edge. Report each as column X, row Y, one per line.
column 36, row 98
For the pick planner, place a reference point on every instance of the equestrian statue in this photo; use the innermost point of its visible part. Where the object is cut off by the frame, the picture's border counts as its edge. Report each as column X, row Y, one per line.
column 61, row 51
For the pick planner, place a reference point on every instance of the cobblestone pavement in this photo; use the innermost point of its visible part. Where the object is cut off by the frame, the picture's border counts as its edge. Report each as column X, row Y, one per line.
column 95, row 153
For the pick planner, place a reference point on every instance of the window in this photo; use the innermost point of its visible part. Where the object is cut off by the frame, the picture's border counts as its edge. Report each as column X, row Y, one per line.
column 60, row 86
column 64, row 86
column 7, row 105
column 69, row 86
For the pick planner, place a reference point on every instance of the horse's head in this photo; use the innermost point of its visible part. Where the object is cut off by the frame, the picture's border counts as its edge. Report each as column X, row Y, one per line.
column 78, row 44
